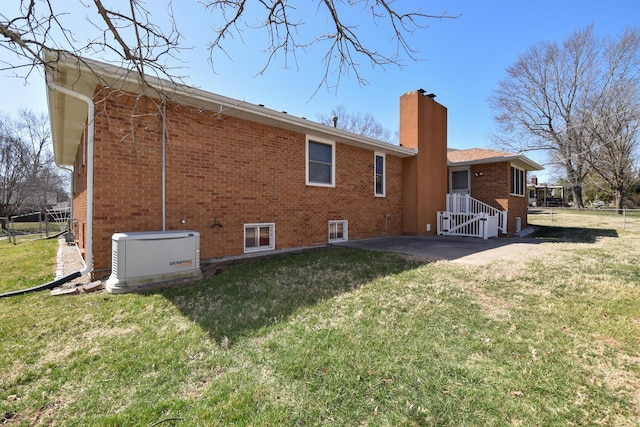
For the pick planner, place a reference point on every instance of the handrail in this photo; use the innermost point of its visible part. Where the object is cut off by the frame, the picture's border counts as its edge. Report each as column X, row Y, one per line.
column 464, row 203
column 467, row 224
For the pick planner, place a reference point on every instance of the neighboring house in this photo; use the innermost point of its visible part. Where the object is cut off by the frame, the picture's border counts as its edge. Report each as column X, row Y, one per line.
column 248, row 179
column 544, row 195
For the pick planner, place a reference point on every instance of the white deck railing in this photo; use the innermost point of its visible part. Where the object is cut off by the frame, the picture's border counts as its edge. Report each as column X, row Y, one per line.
column 479, row 225
column 464, row 203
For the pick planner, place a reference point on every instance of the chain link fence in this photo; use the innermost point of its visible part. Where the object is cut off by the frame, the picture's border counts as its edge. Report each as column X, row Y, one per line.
column 34, row 225
column 624, row 219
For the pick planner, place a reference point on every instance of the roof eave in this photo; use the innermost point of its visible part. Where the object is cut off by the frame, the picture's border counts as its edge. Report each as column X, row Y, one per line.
column 68, row 116
column 264, row 115
column 518, row 160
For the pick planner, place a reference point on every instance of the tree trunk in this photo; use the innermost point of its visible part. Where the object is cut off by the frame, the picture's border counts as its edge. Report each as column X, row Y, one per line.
column 617, row 200
column 578, row 203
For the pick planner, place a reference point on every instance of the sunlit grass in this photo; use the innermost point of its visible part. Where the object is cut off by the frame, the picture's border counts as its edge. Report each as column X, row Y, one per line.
column 604, row 219
column 343, row 337
column 26, row 264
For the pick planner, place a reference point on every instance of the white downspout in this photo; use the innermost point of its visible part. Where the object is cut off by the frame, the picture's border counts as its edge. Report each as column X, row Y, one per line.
column 90, row 142
column 164, row 165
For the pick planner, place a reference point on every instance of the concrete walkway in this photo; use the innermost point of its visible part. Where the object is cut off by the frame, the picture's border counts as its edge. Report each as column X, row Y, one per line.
column 70, row 261
column 464, row 250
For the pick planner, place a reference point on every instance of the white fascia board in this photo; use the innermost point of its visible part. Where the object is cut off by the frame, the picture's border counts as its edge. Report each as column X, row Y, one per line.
column 520, row 161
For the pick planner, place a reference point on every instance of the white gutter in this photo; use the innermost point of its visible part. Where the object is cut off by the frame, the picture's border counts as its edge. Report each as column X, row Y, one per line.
column 88, row 265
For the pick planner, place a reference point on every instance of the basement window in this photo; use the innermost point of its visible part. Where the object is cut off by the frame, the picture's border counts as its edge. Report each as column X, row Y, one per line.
column 259, row 237
column 338, row 231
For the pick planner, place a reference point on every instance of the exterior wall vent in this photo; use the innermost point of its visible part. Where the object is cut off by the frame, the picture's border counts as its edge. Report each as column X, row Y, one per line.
column 143, row 260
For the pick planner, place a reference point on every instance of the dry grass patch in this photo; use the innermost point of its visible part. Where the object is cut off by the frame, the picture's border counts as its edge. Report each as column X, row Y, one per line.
column 589, row 290
column 342, row 337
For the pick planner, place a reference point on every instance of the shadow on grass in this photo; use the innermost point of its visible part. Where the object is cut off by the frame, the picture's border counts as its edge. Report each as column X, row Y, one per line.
column 572, row 234
column 242, row 299
column 246, row 297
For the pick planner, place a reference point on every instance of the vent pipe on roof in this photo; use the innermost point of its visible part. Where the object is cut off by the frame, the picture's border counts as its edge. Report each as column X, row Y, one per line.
column 335, row 121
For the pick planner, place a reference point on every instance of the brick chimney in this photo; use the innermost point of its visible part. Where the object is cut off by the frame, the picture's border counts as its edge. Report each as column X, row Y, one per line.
column 423, row 126
column 534, row 180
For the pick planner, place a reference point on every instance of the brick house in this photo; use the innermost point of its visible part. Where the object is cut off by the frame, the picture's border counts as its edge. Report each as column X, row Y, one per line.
column 495, row 178
column 248, row 179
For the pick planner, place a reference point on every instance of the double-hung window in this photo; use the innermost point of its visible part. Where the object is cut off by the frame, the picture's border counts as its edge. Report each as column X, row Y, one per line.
column 517, row 182
column 380, row 178
column 321, row 170
column 338, row 231
column 259, row 237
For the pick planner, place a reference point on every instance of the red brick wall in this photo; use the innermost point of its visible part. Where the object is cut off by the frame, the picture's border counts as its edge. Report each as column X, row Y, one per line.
column 228, row 170
column 518, row 207
column 493, row 187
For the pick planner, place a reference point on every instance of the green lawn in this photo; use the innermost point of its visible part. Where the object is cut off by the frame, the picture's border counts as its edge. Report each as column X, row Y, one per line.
column 28, row 231
column 339, row 337
column 27, row 264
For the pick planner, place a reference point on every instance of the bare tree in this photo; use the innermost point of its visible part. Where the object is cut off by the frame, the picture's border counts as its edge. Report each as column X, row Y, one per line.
column 557, row 98
column 128, row 32
column 10, row 170
column 615, row 117
column 28, row 176
column 614, row 139
column 358, row 123
column 342, row 40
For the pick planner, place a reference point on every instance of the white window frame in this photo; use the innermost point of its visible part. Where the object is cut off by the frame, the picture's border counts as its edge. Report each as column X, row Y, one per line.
column 518, row 181
column 272, row 237
column 461, row 169
column 384, row 174
column 345, row 230
column 333, row 162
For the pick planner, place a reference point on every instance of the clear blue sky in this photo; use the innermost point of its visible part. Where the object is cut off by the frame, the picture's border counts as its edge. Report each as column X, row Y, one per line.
column 462, row 61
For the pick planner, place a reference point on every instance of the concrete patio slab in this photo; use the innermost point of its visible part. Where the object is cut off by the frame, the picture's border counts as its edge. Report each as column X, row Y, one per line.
column 464, row 250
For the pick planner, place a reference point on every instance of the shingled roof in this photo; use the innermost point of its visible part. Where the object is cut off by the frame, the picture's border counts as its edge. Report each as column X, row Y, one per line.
column 71, row 78
column 473, row 156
